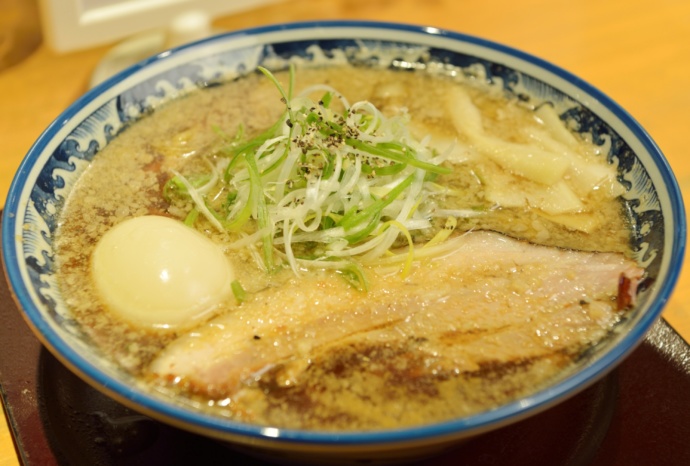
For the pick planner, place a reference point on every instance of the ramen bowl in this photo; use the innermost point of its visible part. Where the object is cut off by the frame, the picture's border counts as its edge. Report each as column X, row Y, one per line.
column 63, row 152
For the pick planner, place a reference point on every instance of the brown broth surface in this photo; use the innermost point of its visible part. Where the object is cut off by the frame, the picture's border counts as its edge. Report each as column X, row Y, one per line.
column 126, row 179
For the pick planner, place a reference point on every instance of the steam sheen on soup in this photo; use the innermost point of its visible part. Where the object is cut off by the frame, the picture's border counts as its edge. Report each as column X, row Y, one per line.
column 369, row 249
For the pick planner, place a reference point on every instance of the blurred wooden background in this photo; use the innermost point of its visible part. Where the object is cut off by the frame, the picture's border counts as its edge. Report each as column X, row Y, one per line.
column 636, row 51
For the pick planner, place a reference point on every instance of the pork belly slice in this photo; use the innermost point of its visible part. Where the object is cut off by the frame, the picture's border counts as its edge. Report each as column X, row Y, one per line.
column 493, row 300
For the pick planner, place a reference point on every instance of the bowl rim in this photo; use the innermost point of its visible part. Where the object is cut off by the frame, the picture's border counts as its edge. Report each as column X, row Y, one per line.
column 470, row 425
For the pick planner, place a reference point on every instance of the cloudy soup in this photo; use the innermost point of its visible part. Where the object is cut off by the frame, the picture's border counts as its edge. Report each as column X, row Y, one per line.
column 348, row 248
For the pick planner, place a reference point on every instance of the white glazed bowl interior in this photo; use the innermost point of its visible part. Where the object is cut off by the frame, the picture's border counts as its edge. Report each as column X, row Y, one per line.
column 64, row 150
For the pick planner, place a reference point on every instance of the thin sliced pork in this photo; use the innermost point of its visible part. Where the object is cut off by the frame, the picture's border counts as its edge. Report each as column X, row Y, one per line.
column 493, row 301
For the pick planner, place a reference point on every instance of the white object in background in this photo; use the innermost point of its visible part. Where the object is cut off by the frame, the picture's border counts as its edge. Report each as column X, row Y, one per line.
column 77, row 24
column 186, row 27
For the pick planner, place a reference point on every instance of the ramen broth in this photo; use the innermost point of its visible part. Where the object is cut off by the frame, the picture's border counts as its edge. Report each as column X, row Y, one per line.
column 352, row 358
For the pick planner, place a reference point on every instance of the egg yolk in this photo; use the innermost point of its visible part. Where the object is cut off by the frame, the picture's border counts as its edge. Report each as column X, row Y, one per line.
column 156, row 271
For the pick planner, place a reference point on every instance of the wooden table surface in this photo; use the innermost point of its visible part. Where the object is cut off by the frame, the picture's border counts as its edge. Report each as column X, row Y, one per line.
column 636, row 51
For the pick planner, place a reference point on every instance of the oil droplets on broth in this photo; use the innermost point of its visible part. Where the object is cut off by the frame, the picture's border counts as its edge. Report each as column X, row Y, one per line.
column 511, row 275
column 155, row 271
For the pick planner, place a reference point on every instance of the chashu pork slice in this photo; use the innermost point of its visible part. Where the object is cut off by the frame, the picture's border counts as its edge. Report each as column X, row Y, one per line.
column 492, row 300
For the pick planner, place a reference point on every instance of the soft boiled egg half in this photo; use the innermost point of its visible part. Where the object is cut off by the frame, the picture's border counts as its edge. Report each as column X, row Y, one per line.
column 155, row 271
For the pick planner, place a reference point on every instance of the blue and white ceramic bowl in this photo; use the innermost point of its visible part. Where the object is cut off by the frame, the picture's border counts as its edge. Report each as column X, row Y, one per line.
column 64, row 150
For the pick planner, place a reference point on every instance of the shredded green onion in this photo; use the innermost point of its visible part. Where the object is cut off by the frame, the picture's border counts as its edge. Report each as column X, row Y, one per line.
column 238, row 291
column 327, row 181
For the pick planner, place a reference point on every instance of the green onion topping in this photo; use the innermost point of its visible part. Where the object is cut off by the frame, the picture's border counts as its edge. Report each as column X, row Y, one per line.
column 330, row 185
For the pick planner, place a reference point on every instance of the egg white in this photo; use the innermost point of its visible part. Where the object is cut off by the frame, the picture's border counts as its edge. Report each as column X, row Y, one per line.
column 155, row 271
